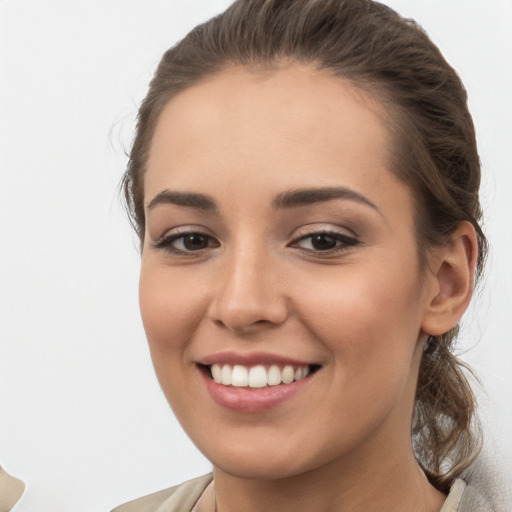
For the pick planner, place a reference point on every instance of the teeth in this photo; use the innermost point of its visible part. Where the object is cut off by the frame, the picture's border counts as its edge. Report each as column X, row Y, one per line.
column 288, row 375
column 217, row 373
column 226, row 375
column 274, row 376
column 240, row 376
column 257, row 376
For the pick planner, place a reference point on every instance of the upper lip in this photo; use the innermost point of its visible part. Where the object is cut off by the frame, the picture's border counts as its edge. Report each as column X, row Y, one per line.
column 251, row 359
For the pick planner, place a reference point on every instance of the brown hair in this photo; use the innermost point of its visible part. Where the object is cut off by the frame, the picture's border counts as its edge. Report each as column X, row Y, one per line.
column 435, row 152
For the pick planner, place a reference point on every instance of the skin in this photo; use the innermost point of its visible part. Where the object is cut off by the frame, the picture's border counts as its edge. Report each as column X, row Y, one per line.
column 361, row 310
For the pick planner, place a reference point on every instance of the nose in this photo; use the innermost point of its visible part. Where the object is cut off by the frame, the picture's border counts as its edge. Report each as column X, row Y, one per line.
column 249, row 295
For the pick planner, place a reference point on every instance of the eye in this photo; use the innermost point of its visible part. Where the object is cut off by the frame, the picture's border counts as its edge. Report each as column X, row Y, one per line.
column 188, row 242
column 325, row 241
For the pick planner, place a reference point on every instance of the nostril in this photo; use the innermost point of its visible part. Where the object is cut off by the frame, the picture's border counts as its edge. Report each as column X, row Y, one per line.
column 242, row 325
column 247, row 301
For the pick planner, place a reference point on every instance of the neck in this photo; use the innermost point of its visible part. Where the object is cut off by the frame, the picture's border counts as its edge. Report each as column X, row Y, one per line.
column 396, row 485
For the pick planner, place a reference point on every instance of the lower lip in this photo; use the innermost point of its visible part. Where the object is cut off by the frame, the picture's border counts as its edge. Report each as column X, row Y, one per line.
column 252, row 399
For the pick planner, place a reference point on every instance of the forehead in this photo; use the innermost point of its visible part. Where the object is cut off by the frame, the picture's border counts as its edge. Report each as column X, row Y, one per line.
column 290, row 122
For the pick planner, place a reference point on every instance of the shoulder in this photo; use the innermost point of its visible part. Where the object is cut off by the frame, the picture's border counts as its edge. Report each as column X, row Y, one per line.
column 474, row 501
column 486, row 488
column 465, row 498
column 183, row 496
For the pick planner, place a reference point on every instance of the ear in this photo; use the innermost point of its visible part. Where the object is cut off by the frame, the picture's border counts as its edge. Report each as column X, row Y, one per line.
column 453, row 277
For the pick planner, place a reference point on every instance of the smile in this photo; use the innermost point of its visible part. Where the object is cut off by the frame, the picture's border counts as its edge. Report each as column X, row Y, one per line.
column 259, row 376
column 254, row 382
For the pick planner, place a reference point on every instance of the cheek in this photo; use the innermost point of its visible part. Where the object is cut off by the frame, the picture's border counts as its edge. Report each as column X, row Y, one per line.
column 369, row 317
column 170, row 314
column 370, row 329
column 169, row 309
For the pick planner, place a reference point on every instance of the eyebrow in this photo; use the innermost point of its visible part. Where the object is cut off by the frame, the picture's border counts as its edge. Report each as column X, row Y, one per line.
column 289, row 199
column 306, row 196
column 191, row 199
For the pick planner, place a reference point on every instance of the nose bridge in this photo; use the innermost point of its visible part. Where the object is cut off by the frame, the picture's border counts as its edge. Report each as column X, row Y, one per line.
column 249, row 290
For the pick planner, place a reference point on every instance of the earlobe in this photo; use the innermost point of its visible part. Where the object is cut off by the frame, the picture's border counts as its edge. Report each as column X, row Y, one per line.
column 453, row 269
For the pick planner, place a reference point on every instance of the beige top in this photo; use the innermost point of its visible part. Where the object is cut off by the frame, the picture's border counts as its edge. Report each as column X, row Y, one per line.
column 453, row 501
column 184, row 497
column 11, row 489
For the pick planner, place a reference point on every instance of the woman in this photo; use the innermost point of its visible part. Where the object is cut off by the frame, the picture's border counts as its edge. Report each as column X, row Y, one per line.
column 304, row 182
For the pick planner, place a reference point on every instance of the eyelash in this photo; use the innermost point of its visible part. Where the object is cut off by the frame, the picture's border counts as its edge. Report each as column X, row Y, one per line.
column 343, row 243
column 166, row 242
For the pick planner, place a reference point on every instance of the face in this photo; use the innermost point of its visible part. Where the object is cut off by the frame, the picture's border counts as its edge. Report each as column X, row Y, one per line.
column 280, row 289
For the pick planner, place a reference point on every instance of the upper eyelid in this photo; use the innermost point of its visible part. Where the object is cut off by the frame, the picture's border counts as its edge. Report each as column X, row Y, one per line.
column 167, row 241
column 297, row 234
column 341, row 237
column 184, row 230
column 319, row 228
column 346, row 242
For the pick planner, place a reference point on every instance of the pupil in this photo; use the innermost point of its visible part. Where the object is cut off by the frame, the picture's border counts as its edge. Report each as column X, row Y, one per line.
column 323, row 242
column 195, row 242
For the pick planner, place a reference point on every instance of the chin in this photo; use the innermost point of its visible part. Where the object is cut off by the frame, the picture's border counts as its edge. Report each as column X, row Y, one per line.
column 262, row 461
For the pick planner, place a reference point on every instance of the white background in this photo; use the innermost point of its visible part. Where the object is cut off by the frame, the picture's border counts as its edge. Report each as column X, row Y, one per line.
column 82, row 419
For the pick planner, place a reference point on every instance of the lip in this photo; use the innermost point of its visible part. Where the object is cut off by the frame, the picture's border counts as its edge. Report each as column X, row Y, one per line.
column 252, row 400
column 251, row 359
